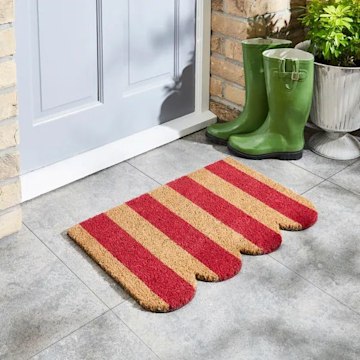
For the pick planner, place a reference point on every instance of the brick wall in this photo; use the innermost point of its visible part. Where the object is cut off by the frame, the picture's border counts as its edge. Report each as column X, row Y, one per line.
column 236, row 20
column 10, row 212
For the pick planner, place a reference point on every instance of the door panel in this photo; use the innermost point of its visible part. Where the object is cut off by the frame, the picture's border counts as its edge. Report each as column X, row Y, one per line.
column 93, row 71
column 67, row 63
column 149, row 37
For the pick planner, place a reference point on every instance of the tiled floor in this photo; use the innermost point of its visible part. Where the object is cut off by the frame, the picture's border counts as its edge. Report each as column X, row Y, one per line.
column 301, row 302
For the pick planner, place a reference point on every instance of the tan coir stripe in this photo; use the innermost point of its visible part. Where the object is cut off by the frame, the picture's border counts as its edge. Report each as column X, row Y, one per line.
column 270, row 183
column 167, row 251
column 214, row 229
column 243, row 201
column 118, row 271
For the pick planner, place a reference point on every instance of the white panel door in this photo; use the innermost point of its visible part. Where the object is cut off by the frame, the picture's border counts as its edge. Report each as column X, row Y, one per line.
column 93, row 71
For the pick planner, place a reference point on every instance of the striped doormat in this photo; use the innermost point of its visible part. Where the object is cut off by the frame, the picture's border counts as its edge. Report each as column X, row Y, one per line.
column 158, row 244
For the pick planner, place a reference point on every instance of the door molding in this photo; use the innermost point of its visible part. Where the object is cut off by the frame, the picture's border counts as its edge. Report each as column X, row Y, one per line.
column 51, row 177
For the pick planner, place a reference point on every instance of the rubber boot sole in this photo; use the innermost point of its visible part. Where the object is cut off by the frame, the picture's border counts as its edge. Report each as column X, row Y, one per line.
column 297, row 155
column 215, row 140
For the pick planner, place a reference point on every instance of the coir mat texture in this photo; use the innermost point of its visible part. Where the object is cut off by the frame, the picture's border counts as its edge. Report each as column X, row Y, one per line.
column 194, row 228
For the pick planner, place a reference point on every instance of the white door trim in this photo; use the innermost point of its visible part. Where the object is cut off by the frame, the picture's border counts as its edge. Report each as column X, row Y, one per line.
column 51, row 177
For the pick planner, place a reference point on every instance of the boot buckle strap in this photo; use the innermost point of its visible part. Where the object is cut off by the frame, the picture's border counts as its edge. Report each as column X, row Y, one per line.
column 295, row 76
column 295, row 73
column 292, row 75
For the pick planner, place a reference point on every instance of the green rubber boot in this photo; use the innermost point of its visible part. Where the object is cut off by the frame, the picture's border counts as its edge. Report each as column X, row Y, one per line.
column 256, row 107
column 289, row 75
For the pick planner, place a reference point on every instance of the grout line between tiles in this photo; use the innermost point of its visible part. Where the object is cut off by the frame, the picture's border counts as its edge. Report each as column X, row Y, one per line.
column 69, row 268
column 343, row 187
column 322, row 177
column 319, row 288
column 310, row 172
column 144, row 173
column 347, row 166
column 313, row 187
column 108, row 308
column 333, row 183
column 133, row 332
column 72, row 332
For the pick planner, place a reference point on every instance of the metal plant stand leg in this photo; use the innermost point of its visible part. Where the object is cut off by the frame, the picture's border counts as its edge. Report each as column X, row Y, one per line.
column 335, row 145
column 336, row 110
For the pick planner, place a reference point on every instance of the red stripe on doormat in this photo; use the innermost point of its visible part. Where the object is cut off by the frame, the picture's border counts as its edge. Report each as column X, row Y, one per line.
column 265, row 193
column 162, row 280
column 217, row 259
column 259, row 234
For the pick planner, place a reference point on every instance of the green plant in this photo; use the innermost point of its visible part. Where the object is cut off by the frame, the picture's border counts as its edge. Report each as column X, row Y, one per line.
column 334, row 30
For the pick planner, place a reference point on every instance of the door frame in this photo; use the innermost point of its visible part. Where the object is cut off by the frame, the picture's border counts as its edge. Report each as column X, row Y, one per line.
column 54, row 176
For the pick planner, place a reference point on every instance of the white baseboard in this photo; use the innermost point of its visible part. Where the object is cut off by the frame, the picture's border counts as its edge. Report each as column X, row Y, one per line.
column 52, row 177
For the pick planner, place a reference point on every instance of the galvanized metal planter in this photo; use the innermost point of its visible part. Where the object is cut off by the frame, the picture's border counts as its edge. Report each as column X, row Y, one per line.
column 335, row 109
